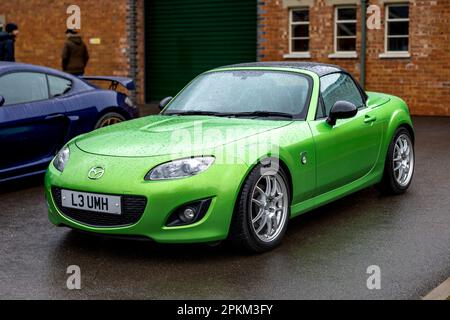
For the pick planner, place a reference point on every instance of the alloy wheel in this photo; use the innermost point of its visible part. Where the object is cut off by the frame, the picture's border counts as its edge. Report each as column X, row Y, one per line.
column 110, row 121
column 269, row 207
column 403, row 160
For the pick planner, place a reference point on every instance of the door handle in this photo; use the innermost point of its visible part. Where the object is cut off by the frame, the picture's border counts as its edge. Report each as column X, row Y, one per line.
column 370, row 119
column 54, row 116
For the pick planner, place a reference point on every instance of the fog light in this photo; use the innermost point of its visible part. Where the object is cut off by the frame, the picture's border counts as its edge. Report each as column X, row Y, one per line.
column 188, row 215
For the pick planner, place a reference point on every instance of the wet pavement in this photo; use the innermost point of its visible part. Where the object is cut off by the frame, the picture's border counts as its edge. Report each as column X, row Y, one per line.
column 325, row 254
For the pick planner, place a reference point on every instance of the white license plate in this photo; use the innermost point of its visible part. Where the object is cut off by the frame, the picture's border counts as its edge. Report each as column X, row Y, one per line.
column 91, row 202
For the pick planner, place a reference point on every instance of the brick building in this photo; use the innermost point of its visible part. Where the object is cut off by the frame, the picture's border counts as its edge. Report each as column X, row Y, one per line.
column 164, row 43
column 410, row 59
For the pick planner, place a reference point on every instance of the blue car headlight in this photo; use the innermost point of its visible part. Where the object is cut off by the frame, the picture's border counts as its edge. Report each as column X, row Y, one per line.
column 61, row 159
column 179, row 169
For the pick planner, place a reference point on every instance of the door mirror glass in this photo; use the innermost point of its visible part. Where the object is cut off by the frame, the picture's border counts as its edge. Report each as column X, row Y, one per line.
column 342, row 110
column 164, row 103
column 2, row 101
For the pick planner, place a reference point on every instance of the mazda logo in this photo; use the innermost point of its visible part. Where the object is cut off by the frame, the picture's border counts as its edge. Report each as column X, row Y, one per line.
column 96, row 173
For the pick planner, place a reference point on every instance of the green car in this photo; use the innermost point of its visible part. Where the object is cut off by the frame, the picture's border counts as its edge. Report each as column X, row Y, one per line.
column 234, row 156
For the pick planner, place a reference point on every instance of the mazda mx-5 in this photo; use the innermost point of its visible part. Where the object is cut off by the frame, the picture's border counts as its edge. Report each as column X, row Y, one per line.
column 234, row 156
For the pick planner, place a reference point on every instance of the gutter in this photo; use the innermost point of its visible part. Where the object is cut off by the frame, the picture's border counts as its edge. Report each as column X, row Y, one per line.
column 132, row 38
column 363, row 42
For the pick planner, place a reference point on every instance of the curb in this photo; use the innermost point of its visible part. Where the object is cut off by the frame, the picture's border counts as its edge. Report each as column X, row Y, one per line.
column 440, row 293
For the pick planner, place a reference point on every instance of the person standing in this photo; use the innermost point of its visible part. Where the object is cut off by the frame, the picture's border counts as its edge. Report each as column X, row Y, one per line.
column 75, row 54
column 7, row 42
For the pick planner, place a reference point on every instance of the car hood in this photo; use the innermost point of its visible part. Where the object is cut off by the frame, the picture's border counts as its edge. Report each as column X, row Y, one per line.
column 165, row 135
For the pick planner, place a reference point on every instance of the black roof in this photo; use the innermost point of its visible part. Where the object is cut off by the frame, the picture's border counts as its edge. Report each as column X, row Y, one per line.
column 319, row 68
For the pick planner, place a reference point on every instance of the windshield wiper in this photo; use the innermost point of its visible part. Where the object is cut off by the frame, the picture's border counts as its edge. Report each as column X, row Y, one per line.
column 264, row 114
column 232, row 114
column 194, row 113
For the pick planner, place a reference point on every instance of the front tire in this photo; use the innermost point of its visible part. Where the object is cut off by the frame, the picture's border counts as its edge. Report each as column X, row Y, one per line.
column 400, row 164
column 262, row 213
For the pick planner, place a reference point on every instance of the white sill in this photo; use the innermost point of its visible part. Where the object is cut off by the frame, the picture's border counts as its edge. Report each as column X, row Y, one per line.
column 298, row 55
column 394, row 55
column 343, row 55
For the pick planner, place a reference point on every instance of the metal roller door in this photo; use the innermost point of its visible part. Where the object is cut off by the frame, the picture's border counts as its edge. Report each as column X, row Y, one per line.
column 187, row 37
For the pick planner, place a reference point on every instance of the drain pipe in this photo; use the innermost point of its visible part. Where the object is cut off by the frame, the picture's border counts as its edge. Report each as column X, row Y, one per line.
column 363, row 42
column 132, row 36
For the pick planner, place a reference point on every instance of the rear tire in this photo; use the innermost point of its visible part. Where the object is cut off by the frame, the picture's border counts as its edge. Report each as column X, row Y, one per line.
column 400, row 164
column 262, row 212
column 109, row 119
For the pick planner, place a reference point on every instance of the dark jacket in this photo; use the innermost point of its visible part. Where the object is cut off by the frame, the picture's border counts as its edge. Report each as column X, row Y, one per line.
column 7, row 44
column 75, row 56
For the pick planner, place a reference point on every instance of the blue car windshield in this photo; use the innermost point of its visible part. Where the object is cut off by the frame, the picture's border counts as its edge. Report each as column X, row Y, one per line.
column 245, row 92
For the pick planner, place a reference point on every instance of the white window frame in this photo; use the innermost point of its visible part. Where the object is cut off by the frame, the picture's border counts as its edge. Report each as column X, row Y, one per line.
column 292, row 24
column 386, row 29
column 336, row 22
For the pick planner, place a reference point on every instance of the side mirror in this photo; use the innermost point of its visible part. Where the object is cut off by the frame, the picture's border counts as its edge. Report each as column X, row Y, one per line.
column 342, row 110
column 2, row 100
column 164, row 103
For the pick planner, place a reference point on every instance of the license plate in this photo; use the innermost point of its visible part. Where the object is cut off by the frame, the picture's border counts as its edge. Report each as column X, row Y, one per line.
column 91, row 202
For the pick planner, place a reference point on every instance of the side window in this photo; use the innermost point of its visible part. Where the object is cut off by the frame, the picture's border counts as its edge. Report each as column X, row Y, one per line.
column 320, row 110
column 58, row 86
column 339, row 87
column 22, row 87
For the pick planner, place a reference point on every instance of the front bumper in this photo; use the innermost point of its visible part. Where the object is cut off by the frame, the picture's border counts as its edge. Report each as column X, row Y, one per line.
column 125, row 177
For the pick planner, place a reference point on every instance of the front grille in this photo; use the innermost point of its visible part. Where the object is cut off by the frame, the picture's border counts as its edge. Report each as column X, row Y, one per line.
column 133, row 208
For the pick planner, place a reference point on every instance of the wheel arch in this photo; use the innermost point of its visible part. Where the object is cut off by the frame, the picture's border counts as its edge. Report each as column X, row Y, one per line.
column 113, row 109
column 252, row 167
column 410, row 129
column 400, row 118
column 283, row 165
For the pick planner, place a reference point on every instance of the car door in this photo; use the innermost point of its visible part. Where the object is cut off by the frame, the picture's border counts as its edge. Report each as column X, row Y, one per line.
column 350, row 149
column 32, row 126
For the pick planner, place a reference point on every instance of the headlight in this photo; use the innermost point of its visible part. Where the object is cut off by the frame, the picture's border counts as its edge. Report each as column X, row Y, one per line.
column 178, row 169
column 61, row 159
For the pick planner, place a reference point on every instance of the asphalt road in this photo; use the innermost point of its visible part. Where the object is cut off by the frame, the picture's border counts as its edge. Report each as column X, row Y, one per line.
column 325, row 254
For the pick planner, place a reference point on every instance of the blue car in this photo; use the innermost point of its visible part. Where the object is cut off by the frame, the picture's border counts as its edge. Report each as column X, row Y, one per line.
column 41, row 109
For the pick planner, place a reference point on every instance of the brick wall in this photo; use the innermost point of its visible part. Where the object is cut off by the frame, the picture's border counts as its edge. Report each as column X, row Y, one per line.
column 422, row 80
column 42, row 32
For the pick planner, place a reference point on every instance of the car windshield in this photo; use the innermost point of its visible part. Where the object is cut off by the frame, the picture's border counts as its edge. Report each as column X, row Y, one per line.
column 245, row 93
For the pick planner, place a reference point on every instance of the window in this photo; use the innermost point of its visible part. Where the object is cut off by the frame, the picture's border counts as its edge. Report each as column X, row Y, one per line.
column 345, row 29
column 299, row 30
column 397, row 28
column 22, row 87
column 320, row 114
column 58, row 86
column 339, row 87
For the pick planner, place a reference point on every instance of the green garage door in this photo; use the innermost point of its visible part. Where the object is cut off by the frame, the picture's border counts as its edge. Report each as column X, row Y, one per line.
column 187, row 37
